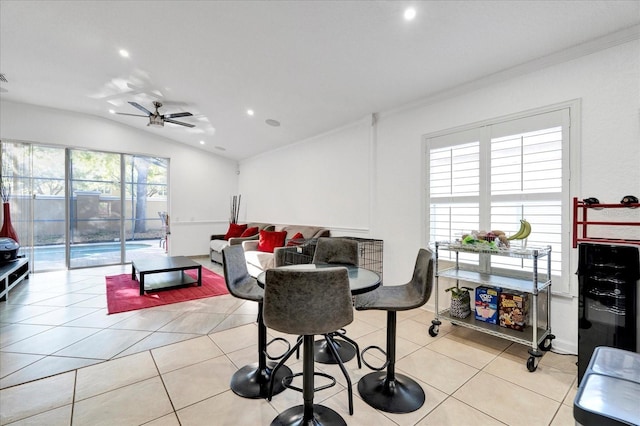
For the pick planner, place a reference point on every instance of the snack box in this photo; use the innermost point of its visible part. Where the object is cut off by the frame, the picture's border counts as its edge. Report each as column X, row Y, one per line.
column 513, row 310
column 486, row 307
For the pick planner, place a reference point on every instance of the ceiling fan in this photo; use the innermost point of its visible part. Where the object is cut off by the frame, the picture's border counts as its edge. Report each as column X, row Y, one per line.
column 157, row 119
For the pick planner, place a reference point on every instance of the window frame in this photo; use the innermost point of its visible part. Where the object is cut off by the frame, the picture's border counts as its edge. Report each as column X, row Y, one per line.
column 563, row 284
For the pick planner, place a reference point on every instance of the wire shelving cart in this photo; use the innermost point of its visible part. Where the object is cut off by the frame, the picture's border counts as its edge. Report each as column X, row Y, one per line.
column 538, row 338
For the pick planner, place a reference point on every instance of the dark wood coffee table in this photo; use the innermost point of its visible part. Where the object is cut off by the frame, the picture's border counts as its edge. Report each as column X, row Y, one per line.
column 169, row 273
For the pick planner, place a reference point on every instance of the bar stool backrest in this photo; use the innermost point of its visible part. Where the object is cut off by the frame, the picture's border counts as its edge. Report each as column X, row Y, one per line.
column 239, row 283
column 406, row 296
column 307, row 302
column 336, row 250
column 422, row 280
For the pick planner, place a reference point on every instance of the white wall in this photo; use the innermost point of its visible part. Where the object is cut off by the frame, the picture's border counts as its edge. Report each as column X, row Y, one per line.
column 200, row 183
column 606, row 82
column 321, row 181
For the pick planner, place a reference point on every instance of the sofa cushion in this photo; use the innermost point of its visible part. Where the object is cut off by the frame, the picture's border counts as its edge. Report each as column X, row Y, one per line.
column 249, row 232
column 269, row 240
column 258, row 261
column 307, row 232
column 235, row 230
column 295, row 240
column 218, row 245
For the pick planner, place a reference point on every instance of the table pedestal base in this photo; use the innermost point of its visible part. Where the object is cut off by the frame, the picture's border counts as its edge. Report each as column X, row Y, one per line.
column 323, row 355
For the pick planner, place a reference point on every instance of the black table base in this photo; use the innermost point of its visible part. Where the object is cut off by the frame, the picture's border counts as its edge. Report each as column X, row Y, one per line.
column 323, row 355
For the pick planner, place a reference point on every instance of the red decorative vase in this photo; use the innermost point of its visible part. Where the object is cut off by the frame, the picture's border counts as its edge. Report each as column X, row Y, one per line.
column 7, row 228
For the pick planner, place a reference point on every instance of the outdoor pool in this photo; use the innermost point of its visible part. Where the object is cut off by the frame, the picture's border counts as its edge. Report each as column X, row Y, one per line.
column 49, row 258
column 52, row 253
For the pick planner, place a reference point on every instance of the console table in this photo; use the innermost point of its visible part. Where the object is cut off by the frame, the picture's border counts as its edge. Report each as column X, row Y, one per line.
column 12, row 274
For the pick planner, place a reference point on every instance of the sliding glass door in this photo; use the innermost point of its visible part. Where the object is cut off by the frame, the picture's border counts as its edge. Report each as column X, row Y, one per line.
column 145, row 189
column 47, row 190
column 76, row 208
column 95, row 208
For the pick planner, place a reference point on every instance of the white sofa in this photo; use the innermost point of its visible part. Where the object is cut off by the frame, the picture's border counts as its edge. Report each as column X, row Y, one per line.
column 258, row 261
column 218, row 242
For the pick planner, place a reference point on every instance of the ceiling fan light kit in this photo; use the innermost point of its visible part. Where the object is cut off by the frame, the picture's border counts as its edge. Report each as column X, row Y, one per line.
column 154, row 120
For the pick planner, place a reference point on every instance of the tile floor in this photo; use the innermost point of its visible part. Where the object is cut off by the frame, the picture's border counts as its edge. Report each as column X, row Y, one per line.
column 64, row 361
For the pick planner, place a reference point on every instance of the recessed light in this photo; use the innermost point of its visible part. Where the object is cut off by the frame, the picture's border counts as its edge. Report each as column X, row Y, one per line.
column 409, row 14
column 124, row 53
column 112, row 111
column 250, row 112
column 274, row 123
column 221, row 148
column 201, row 142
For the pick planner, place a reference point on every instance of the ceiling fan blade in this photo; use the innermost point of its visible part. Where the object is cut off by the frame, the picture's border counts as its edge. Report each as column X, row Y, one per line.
column 135, row 115
column 178, row 114
column 168, row 120
column 141, row 108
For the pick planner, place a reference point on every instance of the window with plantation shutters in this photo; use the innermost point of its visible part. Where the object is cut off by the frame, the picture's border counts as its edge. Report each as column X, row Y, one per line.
column 490, row 176
column 454, row 186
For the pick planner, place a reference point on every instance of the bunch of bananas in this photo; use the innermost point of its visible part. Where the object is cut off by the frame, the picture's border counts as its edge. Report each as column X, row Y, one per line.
column 523, row 232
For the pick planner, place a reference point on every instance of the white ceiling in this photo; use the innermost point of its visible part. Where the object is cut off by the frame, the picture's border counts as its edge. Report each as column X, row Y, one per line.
column 312, row 65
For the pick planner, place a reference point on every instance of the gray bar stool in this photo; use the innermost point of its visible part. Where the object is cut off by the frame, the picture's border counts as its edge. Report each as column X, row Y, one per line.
column 338, row 251
column 308, row 302
column 389, row 391
column 251, row 381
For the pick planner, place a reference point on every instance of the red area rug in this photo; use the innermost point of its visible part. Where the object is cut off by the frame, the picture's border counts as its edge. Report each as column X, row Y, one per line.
column 123, row 293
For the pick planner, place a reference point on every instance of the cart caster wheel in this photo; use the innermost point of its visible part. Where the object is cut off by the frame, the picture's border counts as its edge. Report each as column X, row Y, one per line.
column 531, row 364
column 433, row 330
column 545, row 345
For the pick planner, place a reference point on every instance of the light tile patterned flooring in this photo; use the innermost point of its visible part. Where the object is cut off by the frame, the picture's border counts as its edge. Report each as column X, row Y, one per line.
column 64, row 361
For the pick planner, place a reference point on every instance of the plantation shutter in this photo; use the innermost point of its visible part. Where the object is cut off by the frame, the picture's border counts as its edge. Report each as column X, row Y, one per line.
column 491, row 176
column 454, row 186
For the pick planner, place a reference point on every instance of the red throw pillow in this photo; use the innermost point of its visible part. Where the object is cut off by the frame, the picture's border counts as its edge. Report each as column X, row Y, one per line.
column 235, row 230
column 295, row 241
column 250, row 232
column 269, row 240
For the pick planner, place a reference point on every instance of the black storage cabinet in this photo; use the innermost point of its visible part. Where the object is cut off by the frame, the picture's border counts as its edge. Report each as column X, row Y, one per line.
column 608, row 279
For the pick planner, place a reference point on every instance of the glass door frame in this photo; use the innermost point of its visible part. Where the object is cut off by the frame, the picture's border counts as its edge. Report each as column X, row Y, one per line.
column 20, row 161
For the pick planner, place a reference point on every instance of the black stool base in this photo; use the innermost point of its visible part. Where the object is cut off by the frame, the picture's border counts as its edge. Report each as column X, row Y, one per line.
column 402, row 395
column 251, row 382
column 323, row 355
column 321, row 416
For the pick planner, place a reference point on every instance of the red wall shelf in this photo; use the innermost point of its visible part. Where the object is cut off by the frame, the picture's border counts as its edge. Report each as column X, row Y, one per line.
column 581, row 222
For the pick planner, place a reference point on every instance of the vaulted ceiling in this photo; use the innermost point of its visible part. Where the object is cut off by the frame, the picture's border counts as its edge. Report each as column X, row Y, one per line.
column 310, row 65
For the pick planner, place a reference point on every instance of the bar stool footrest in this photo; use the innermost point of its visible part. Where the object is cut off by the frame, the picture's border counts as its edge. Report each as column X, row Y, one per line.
column 386, row 363
column 288, row 380
column 276, row 358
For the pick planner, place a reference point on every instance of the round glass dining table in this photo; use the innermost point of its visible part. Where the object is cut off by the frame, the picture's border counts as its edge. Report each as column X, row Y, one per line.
column 360, row 281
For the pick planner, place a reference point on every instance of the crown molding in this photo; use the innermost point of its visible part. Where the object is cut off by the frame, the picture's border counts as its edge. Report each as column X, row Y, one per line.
column 593, row 46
